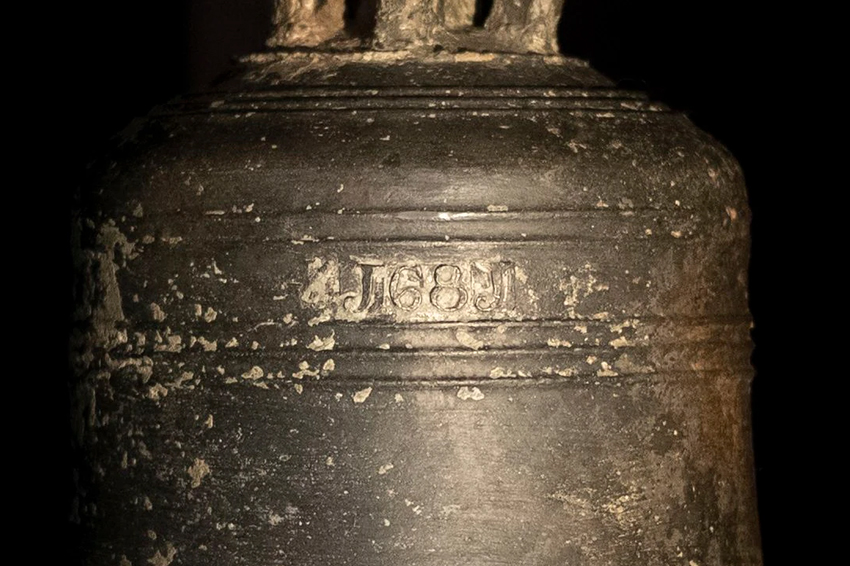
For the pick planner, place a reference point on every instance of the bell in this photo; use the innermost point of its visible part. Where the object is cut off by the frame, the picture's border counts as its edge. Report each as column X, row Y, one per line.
column 413, row 288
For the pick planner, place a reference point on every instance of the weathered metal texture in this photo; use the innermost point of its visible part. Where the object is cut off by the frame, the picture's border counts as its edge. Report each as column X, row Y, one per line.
column 364, row 309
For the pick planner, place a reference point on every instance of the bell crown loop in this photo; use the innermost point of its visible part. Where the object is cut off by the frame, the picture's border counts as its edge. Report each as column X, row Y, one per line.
column 501, row 26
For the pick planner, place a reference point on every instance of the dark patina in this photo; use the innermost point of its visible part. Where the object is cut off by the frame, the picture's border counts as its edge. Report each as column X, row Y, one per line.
column 372, row 303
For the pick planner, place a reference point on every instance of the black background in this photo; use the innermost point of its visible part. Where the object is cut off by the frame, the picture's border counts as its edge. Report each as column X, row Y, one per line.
column 731, row 66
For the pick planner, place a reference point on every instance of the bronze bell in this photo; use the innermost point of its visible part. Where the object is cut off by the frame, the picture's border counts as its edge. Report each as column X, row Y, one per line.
column 411, row 290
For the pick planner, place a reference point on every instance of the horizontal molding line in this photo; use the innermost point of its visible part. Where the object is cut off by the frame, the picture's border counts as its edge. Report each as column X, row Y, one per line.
column 736, row 320
column 426, row 102
column 740, row 374
column 189, row 111
column 735, row 373
column 306, row 227
column 430, row 97
column 436, row 242
column 446, row 215
column 399, row 353
column 432, row 243
column 496, row 91
column 537, row 322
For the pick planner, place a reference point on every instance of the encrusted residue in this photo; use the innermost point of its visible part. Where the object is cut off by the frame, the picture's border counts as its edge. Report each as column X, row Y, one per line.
column 323, row 277
column 468, row 340
column 157, row 313
column 255, row 372
column 320, row 344
column 97, row 296
column 98, row 316
column 198, row 471
column 500, row 372
column 473, row 393
column 160, row 559
column 362, row 395
column 578, row 286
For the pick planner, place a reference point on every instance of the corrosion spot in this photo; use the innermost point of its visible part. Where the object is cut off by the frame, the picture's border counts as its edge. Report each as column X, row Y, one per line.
column 197, row 471
column 362, row 395
column 473, row 393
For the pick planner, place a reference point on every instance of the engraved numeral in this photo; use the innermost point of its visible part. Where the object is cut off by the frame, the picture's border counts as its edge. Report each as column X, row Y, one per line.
column 405, row 287
column 448, row 293
column 381, row 288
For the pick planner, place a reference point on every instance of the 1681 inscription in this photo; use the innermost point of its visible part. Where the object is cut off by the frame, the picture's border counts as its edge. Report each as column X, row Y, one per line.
column 362, row 287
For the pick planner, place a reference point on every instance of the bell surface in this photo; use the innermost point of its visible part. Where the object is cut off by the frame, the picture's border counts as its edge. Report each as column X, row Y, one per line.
column 374, row 302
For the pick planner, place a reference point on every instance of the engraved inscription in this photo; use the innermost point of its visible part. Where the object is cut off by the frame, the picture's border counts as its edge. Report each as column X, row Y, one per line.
column 448, row 293
column 363, row 287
